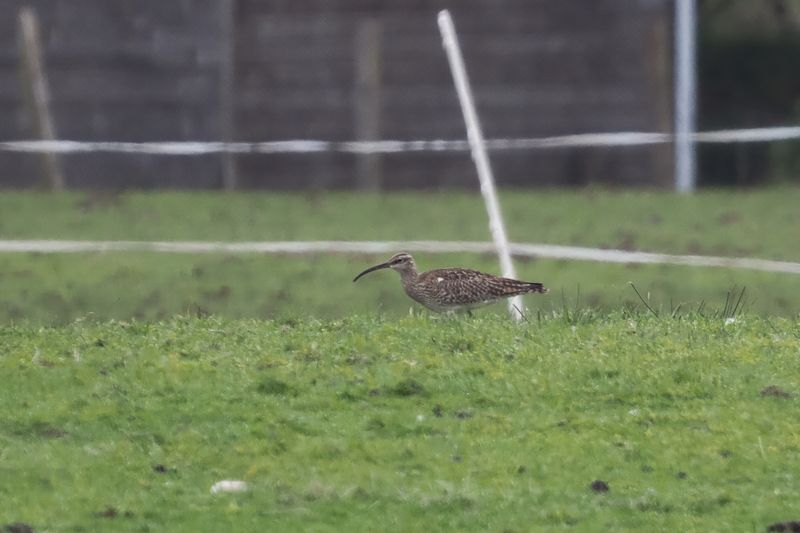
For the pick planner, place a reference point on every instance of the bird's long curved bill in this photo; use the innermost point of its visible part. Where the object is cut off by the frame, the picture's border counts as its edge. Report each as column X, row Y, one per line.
column 371, row 269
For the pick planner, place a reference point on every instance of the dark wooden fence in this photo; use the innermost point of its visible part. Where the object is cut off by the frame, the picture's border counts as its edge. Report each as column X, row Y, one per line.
column 259, row 70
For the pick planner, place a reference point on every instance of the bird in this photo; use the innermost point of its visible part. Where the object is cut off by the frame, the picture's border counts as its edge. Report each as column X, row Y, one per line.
column 449, row 290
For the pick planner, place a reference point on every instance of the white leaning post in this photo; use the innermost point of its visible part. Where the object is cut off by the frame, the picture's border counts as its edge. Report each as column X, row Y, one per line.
column 479, row 156
column 685, row 94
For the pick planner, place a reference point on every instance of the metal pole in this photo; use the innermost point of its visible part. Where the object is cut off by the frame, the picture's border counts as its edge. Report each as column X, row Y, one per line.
column 685, row 94
column 479, row 156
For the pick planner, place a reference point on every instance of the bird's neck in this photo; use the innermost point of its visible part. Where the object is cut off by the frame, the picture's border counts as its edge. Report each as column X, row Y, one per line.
column 408, row 275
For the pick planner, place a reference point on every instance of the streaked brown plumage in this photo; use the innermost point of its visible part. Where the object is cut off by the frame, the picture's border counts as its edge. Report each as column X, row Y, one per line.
column 453, row 289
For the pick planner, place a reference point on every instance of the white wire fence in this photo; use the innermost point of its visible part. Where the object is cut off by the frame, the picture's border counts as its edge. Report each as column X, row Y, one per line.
column 300, row 146
column 532, row 250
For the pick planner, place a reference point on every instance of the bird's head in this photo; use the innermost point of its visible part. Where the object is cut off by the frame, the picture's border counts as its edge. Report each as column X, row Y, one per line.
column 402, row 262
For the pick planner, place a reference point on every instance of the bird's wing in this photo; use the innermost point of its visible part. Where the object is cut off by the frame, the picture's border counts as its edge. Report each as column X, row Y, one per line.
column 453, row 274
column 462, row 286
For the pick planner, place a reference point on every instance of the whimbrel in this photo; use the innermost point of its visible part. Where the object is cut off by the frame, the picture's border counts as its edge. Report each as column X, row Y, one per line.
column 453, row 289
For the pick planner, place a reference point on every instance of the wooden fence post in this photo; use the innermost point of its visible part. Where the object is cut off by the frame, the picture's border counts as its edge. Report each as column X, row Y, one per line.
column 659, row 76
column 367, row 103
column 37, row 92
column 227, row 107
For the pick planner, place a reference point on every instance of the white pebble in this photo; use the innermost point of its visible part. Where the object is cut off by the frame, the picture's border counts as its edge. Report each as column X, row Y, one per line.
column 228, row 485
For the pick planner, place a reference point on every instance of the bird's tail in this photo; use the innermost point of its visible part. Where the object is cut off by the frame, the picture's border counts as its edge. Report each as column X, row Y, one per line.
column 536, row 287
column 512, row 287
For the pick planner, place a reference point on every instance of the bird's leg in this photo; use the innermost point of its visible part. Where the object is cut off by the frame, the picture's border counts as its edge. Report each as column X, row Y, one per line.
column 445, row 315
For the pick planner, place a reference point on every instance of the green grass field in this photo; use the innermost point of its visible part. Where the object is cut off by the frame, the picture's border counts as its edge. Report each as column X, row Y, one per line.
column 365, row 424
column 135, row 381
column 59, row 288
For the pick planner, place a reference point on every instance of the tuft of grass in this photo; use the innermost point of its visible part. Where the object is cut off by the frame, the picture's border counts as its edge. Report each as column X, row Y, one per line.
column 734, row 305
column 627, row 420
column 273, row 386
column 577, row 313
column 408, row 387
column 645, row 302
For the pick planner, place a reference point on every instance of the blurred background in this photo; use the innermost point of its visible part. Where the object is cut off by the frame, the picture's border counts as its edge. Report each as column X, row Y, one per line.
column 251, row 71
column 262, row 70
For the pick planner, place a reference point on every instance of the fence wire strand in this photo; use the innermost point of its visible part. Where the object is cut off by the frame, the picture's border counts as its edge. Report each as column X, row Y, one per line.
column 631, row 138
column 546, row 251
